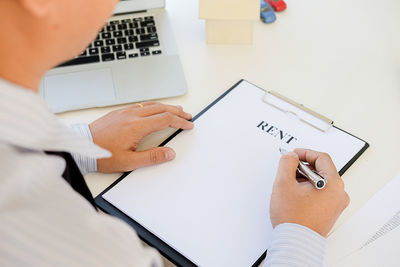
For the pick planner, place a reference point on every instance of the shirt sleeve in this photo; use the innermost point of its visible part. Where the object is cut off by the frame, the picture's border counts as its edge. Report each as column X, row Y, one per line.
column 85, row 164
column 295, row 245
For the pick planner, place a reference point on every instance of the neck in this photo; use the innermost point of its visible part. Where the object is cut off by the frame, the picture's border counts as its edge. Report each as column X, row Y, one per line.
column 21, row 71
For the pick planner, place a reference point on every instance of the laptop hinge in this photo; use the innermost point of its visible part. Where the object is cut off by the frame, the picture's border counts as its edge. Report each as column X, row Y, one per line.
column 130, row 12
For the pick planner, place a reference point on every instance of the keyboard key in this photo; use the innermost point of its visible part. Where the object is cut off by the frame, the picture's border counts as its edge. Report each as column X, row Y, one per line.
column 122, row 27
column 147, row 23
column 106, row 35
column 133, row 25
column 93, row 51
column 98, row 37
column 142, row 50
column 140, row 31
column 129, row 32
column 128, row 46
column 156, row 52
column 110, row 42
column 121, row 55
column 81, row 60
column 147, row 37
column 133, row 55
column 98, row 43
column 107, row 57
column 111, row 28
column 144, row 54
column 147, row 44
column 149, row 18
column 137, row 19
column 118, row 34
column 117, row 48
column 105, row 50
column 126, row 20
column 151, row 29
column 113, row 22
column 133, row 39
column 122, row 40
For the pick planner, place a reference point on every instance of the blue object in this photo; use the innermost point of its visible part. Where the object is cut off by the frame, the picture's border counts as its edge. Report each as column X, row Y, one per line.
column 267, row 13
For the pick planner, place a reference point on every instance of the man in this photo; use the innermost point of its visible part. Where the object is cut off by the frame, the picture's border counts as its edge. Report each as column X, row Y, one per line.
column 47, row 216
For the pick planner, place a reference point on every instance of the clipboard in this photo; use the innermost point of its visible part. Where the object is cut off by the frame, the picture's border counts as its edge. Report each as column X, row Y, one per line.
column 292, row 109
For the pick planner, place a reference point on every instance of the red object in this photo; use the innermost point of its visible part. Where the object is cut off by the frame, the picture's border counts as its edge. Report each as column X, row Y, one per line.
column 278, row 5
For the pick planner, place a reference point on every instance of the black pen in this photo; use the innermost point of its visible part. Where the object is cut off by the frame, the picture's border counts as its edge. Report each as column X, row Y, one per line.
column 317, row 180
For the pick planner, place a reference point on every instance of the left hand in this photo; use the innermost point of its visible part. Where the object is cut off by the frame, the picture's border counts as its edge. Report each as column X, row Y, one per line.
column 121, row 131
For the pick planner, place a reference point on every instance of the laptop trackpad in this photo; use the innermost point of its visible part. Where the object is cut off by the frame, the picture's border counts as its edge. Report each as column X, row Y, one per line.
column 79, row 89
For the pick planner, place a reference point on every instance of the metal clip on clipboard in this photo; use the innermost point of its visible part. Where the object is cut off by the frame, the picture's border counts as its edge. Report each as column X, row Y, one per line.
column 301, row 112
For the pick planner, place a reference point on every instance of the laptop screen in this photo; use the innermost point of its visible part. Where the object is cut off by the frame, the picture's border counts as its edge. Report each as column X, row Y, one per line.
column 126, row 6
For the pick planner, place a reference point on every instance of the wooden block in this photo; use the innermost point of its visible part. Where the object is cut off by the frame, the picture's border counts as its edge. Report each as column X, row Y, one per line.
column 229, row 9
column 229, row 31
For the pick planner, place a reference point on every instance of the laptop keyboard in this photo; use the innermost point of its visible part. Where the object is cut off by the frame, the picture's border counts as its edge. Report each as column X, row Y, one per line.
column 121, row 39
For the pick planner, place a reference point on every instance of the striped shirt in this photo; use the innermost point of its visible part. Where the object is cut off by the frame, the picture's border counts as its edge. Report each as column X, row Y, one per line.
column 44, row 222
column 85, row 164
column 295, row 245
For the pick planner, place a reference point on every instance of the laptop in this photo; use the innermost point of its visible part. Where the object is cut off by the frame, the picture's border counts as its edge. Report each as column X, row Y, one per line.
column 134, row 58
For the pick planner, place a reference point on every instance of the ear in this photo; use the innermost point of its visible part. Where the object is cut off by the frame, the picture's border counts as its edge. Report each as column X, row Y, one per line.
column 37, row 8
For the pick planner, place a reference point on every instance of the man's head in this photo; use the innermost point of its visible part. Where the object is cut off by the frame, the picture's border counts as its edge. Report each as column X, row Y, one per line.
column 48, row 31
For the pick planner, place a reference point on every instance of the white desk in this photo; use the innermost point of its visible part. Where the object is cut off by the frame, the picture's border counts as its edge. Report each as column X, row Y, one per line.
column 341, row 58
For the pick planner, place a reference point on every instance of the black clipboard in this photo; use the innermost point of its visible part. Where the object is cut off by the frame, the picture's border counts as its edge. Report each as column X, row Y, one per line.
column 151, row 239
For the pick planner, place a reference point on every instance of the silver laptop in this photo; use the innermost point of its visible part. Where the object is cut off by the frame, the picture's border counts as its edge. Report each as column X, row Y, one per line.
column 133, row 59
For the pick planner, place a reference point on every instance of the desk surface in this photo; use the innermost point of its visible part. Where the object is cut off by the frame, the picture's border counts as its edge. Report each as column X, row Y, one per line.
column 340, row 58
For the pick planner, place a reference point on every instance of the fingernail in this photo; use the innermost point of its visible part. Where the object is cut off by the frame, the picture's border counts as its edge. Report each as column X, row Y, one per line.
column 292, row 154
column 169, row 154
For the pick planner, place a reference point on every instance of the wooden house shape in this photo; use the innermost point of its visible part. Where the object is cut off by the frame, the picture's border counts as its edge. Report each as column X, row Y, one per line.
column 229, row 21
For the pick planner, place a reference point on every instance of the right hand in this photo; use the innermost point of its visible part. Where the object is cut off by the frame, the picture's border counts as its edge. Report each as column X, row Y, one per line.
column 294, row 201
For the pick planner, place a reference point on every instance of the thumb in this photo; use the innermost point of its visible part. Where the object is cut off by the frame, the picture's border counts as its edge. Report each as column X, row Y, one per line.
column 287, row 168
column 152, row 156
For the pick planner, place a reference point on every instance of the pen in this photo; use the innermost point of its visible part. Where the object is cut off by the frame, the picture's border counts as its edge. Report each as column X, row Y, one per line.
column 317, row 180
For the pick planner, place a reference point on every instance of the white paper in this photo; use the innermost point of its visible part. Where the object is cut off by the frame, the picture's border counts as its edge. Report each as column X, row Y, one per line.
column 382, row 252
column 366, row 223
column 212, row 202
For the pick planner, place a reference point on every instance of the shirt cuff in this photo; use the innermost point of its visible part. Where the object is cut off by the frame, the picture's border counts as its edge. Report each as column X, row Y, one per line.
column 296, row 245
column 85, row 164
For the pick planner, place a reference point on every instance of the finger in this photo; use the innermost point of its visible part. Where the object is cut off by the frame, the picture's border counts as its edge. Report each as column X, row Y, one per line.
column 139, row 105
column 164, row 120
column 287, row 169
column 301, row 179
column 144, row 104
column 307, row 155
column 322, row 162
column 158, row 108
column 346, row 199
column 157, row 155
